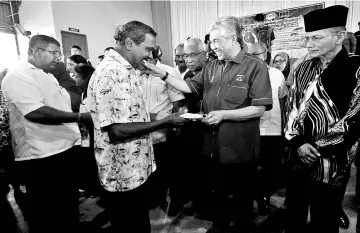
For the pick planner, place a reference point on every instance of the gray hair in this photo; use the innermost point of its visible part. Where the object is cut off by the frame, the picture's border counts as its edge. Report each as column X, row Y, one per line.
column 134, row 30
column 231, row 26
column 195, row 41
column 41, row 41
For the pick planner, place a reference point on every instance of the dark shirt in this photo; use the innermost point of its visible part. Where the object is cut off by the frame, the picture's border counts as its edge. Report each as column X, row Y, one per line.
column 193, row 101
column 230, row 85
column 69, row 84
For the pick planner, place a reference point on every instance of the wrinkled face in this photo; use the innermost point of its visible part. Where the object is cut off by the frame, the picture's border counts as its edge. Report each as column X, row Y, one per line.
column 141, row 52
column 80, row 82
column 320, row 43
column 221, row 43
column 194, row 57
column 70, row 65
column 48, row 57
column 179, row 56
column 75, row 51
column 279, row 63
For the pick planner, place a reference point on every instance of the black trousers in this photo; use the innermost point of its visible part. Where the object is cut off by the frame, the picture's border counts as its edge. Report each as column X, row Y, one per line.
column 324, row 201
column 129, row 211
column 271, row 174
column 233, row 196
column 52, row 193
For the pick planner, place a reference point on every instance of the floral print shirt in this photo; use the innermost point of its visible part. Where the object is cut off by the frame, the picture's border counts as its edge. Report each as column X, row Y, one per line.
column 115, row 97
column 5, row 139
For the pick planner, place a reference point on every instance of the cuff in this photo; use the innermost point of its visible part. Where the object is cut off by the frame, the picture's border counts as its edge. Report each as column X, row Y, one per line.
column 298, row 141
column 267, row 102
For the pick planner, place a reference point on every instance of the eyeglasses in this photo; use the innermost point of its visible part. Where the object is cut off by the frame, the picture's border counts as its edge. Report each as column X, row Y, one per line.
column 258, row 54
column 318, row 38
column 191, row 55
column 279, row 62
column 56, row 54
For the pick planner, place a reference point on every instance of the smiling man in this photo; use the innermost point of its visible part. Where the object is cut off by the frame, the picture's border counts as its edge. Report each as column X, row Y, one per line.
column 45, row 135
column 323, row 124
column 236, row 91
column 122, row 127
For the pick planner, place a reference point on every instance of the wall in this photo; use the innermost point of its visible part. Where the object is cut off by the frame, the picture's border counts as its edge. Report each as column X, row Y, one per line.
column 98, row 20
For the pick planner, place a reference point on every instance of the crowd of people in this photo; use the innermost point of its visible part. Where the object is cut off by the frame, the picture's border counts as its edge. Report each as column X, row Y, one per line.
column 119, row 130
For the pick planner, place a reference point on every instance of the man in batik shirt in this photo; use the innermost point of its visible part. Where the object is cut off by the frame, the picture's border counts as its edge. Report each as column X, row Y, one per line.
column 323, row 125
column 122, row 127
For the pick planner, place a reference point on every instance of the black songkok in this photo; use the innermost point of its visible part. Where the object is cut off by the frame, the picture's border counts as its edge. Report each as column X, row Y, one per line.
column 333, row 16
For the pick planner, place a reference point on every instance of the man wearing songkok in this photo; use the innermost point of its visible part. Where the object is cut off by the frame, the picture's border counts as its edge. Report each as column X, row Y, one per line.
column 323, row 124
column 236, row 91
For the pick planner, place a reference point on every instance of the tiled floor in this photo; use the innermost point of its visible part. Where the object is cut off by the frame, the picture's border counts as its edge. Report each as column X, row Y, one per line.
column 96, row 219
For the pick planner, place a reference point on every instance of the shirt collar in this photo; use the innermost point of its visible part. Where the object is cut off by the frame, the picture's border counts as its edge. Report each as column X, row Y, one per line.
column 117, row 57
column 240, row 56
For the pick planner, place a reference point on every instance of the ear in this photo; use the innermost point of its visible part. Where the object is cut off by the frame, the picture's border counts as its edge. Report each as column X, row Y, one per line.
column 129, row 43
column 35, row 52
column 340, row 37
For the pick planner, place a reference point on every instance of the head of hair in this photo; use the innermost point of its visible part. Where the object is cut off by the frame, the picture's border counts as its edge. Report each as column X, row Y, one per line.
column 101, row 57
column 207, row 38
column 85, row 72
column 134, row 30
column 195, row 41
column 157, row 52
column 259, row 18
column 231, row 26
column 180, row 46
column 76, row 47
column 78, row 59
column 108, row 48
column 41, row 41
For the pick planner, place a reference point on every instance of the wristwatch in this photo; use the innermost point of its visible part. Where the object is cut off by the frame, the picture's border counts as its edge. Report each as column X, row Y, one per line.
column 166, row 76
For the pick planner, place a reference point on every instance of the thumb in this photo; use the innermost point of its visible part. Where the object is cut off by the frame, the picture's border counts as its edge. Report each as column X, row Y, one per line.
column 314, row 150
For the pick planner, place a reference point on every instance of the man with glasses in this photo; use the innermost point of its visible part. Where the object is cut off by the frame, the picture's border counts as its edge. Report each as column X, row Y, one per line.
column 179, row 58
column 270, row 134
column 45, row 135
column 236, row 91
column 323, row 124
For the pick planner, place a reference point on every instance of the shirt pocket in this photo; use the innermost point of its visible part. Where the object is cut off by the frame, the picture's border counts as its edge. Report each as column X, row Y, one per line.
column 236, row 94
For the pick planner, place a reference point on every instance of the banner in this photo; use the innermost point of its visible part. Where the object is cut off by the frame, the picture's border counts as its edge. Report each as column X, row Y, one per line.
column 287, row 25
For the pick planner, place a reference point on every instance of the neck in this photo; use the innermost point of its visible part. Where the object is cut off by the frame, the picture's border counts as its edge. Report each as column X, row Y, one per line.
column 35, row 63
column 328, row 57
column 234, row 52
column 122, row 52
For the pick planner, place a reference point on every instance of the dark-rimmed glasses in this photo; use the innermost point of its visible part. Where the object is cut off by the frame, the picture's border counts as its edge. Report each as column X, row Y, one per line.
column 56, row 54
column 191, row 55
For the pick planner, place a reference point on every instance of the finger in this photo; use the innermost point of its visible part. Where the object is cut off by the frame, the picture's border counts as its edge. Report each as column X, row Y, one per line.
column 314, row 151
column 208, row 116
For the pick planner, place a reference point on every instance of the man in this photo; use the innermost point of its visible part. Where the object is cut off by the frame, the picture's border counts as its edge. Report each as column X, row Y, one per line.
column 270, row 134
column 264, row 33
column 45, row 135
column 179, row 58
column 357, row 35
column 350, row 42
column 76, row 50
column 236, row 91
column 122, row 127
column 161, row 100
column 323, row 124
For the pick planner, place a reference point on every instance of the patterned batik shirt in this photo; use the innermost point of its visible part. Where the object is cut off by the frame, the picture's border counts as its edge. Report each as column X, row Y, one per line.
column 5, row 139
column 325, row 112
column 115, row 97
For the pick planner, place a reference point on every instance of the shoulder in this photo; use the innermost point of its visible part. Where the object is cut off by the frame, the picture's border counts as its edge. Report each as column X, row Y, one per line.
column 248, row 58
column 354, row 61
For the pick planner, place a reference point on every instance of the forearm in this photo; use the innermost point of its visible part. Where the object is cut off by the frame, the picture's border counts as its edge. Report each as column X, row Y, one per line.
column 125, row 131
column 178, row 84
column 52, row 116
column 244, row 113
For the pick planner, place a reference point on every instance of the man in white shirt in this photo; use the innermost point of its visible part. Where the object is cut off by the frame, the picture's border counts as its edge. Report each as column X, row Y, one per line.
column 270, row 133
column 45, row 134
column 161, row 100
column 179, row 58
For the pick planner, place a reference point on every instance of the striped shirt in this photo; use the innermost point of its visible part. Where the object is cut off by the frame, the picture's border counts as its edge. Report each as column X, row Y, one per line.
column 324, row 111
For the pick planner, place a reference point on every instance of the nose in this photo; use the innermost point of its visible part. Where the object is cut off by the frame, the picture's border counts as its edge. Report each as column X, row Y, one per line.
column 309, row 44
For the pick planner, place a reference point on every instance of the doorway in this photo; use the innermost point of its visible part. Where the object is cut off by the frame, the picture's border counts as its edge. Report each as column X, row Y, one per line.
column 69, row 39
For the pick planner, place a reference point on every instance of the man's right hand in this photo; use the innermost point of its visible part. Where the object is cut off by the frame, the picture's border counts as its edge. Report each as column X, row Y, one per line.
column 175, row 119
column 308, row 154
column 154, row 70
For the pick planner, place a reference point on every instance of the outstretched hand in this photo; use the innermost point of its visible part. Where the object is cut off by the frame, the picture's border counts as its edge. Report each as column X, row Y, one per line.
column 153, row 69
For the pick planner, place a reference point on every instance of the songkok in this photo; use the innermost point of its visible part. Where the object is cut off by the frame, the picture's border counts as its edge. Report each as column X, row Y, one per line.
column 333, row 16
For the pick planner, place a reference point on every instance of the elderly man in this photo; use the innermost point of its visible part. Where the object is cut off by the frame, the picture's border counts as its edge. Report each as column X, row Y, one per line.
column 236, row 91
column 323, row 126
column 161, row 100
column 179, row 58
column 123, row 146
column 270, row 131
column 45, row 134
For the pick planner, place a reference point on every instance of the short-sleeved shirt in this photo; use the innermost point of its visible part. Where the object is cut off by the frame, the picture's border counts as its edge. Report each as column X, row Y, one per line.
column 229, row 85
column 115, row 97
column 27, row 88
column 270, row 122
column 159, row 97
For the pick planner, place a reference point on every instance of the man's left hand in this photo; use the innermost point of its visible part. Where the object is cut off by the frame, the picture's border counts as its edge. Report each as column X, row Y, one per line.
column 214, row 117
